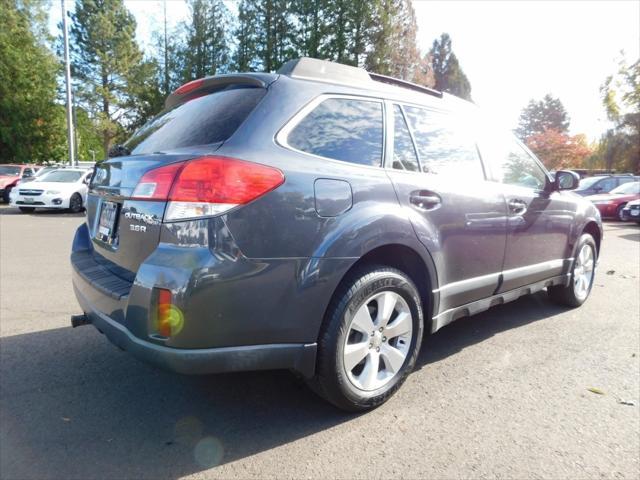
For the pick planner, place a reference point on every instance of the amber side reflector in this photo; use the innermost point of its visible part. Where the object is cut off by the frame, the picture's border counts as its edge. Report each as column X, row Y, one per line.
column 169, row 318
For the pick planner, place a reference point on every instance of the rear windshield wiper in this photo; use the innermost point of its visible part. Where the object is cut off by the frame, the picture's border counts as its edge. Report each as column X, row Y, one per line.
column 119, row 151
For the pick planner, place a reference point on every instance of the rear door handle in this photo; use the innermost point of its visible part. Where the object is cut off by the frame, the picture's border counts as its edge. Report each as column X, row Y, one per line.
column 425, row 201
column 517, row 207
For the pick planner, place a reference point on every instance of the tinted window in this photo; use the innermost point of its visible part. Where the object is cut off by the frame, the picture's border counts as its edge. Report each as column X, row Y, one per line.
column 445, row 144
column 342, row 129
column 208, row 119
column 511, row 163
column 606, row 185
column 404, row 153
column 623, row 180
column 587, row 182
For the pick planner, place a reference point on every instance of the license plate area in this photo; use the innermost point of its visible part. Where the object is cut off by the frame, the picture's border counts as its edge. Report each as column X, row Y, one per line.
column 28, row 200
column 108, row 223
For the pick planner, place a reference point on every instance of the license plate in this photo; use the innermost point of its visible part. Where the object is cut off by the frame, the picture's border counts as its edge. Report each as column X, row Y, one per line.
column 28, row 200
column 108, row 222
column 635, row 213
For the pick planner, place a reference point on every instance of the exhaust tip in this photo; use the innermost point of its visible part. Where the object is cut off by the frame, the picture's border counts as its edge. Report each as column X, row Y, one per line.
column 79, row 320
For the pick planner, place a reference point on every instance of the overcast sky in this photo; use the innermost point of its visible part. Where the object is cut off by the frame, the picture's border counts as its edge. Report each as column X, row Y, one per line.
column 511, row 51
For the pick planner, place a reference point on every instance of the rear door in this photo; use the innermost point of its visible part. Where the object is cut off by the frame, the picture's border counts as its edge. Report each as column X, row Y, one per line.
column 457, row 214
column 539, row 221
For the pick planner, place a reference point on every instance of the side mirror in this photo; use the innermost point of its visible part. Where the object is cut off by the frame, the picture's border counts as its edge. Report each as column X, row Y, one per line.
column 566, row 180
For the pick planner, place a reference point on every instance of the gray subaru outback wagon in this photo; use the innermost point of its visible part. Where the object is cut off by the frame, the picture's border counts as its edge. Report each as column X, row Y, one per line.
column 320, row 219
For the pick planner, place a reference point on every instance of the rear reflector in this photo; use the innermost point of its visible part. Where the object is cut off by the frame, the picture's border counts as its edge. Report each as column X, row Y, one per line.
column 207, row 186
column 169, row 318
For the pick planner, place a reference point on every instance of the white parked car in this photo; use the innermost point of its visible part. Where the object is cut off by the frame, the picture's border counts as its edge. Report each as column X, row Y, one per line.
column 61, row 189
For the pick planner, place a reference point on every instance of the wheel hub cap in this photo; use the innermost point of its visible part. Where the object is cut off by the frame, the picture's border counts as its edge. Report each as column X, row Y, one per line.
column 378, row 341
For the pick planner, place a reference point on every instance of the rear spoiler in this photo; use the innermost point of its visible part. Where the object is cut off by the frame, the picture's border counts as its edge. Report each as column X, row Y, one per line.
column 197, row 88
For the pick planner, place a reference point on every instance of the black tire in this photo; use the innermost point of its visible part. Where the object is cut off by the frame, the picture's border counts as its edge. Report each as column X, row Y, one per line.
column 567, row 295
column 27, row 209
column 331, row 381
column 619, row 213
column 5, row 195
column 75, row 203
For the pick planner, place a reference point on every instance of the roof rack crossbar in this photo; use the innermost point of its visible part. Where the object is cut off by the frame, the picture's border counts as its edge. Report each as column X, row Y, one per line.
column 405, row 84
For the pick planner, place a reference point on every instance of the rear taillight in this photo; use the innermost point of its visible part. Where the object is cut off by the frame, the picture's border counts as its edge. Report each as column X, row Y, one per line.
column 156, row 183
column 207, row 186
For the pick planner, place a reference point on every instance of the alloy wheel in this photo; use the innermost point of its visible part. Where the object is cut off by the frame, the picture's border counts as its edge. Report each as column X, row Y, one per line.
column 378, row 341
column 583, row 271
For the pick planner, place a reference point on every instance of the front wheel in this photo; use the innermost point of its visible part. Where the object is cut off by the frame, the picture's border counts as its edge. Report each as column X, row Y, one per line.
column 75, row 203
column 582, row 275
column 370, row 339
column 619, row 213
column 6, row 195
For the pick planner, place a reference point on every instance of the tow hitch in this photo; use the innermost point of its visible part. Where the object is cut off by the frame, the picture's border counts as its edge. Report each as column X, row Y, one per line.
column 79, row 320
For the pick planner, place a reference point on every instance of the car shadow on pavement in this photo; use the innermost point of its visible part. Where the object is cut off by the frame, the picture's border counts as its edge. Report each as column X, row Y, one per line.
column 471, row 330
column 74, row 406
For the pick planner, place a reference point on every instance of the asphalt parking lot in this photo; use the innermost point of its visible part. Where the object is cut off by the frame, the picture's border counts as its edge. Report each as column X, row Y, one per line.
column 504, row 394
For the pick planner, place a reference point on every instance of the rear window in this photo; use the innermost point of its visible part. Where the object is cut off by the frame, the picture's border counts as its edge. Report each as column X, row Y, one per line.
column 342, row 129
column 209, row 119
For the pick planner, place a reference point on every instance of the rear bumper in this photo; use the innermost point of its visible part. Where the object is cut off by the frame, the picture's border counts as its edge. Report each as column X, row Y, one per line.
column 298, row 357
column 221, row 333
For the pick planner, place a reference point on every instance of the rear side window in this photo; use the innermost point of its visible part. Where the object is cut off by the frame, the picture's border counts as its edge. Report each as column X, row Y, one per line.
column 209, row 119
column 404, row 153
column 342, row 129
column 446, row 146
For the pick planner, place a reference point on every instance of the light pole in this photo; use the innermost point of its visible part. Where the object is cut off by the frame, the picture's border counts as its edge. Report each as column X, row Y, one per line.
column 67, row 74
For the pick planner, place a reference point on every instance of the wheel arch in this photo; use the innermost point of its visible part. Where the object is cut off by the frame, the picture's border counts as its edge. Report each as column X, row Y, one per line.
column 595, row 231
column 421, row 270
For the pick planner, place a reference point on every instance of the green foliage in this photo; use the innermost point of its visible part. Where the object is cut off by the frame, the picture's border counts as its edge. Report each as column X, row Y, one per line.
column 207, row 50
column 620, row 146
column 31, row 124
column 393, row 50
column 449, row 76
column 107, row 65
column 539, row 116
column 246, row 34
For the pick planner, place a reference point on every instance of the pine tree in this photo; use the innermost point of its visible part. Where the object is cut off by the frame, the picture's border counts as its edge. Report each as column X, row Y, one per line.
column 106, row 64
column 541, row 115
column 246, row 53
column 448, row 74
column 207, row 40
column 32, row 125
column 274, row 32
column 311, row 29
column 394, row 50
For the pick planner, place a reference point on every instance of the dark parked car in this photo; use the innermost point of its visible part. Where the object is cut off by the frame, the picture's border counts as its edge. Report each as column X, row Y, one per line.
column 603, row 183
column 320, row 219
column 632, row 211
column 611, row 204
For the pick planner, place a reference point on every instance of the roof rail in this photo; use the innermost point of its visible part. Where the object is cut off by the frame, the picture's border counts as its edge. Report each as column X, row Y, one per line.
column 404, row 84
column 324, row 71
column 332, row 72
